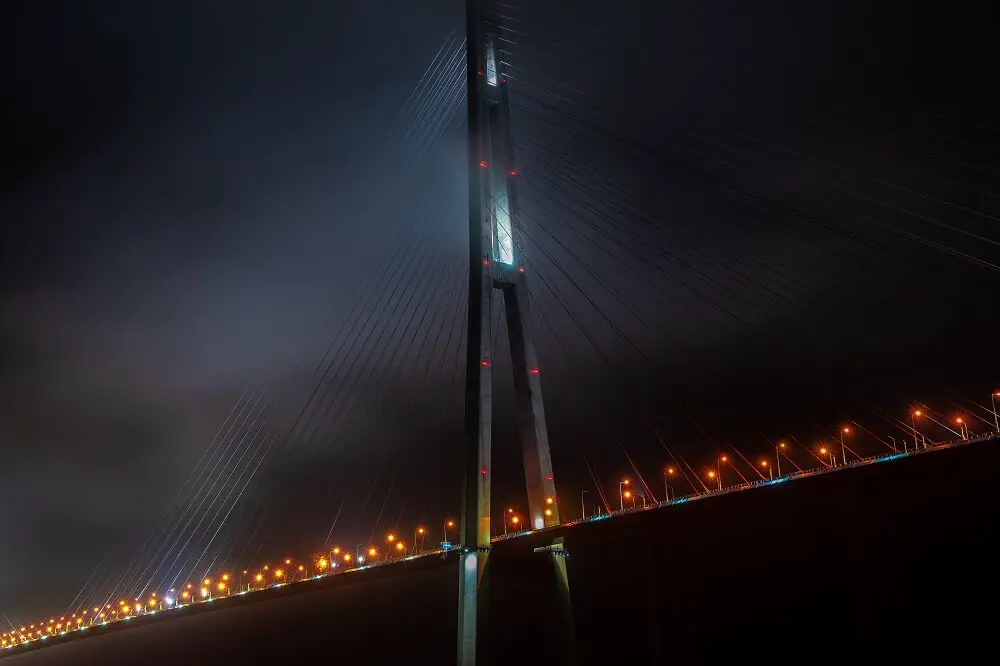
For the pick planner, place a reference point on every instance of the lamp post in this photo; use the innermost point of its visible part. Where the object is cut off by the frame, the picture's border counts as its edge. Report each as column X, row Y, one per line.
column 843, row 447
column 913, row 424
column 667, row 488
column 770, row 470
column 448, row 524
column 893, row 443
column 963, row 428
column 621, row 495
column 777, row 455
column 583, row 507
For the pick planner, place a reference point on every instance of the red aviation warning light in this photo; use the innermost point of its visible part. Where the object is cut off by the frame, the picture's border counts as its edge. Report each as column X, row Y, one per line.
column 486, row 364
column 482, row 164
column 534, row 371
column 512, row 172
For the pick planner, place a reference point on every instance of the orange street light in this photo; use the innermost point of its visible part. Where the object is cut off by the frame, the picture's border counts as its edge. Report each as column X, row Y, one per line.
column 621, row 495
column 770, row 470
column 913, row 424
column 843, row 447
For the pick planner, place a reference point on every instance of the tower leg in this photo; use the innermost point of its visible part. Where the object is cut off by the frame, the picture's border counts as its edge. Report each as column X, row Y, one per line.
column 475, row 537
column 530, row 410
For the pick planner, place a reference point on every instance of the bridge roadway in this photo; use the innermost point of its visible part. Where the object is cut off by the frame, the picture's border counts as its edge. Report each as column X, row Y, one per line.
column 892, row 562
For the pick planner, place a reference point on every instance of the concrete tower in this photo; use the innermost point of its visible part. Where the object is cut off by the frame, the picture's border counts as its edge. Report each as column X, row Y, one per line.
column 495, row 270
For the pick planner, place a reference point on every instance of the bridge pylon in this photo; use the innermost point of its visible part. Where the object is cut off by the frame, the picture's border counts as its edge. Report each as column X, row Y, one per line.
column 495, row 270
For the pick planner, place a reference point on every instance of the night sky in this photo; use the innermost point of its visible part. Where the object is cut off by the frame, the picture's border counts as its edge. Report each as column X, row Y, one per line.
column 200, row 196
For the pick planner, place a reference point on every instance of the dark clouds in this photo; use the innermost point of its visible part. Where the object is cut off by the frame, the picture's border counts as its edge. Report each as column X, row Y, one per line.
column 192, row 186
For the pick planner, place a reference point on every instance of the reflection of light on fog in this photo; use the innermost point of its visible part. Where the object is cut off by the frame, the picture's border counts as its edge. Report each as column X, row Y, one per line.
column 470, row 562
column 539, row 522
column 491, row 64
column 505, row 240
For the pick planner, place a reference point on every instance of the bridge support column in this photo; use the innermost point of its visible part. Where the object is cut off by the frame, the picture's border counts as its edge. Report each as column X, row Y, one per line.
column 558, row 555
column 494, row 265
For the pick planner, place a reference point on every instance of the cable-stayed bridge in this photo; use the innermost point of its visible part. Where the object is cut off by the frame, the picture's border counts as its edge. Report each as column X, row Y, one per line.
column 568, row 213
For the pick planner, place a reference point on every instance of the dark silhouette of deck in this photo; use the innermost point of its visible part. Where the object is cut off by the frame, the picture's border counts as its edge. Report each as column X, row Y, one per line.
column 889, row 563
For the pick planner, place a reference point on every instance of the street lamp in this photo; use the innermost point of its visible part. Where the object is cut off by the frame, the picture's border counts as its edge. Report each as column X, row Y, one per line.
column 823, row 451
column 894, row 443
column 913, row 424
column 713, row 475
column 621, row 495
column 843, row 448
column 777, row 455
column 628, row 495
column 506, row 515
column 583, row 507
column 419, row 533
column 667, row 473
column 515, row 521
column 770, row 470
column 447, row 525
column 963, row 428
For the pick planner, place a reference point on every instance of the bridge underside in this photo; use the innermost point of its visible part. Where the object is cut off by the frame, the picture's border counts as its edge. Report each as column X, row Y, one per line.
column 889, row 563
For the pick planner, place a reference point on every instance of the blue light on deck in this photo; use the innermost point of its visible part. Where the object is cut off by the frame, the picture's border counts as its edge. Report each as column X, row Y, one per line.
column 601, row 517
column 895, row 456
column 682, row 500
